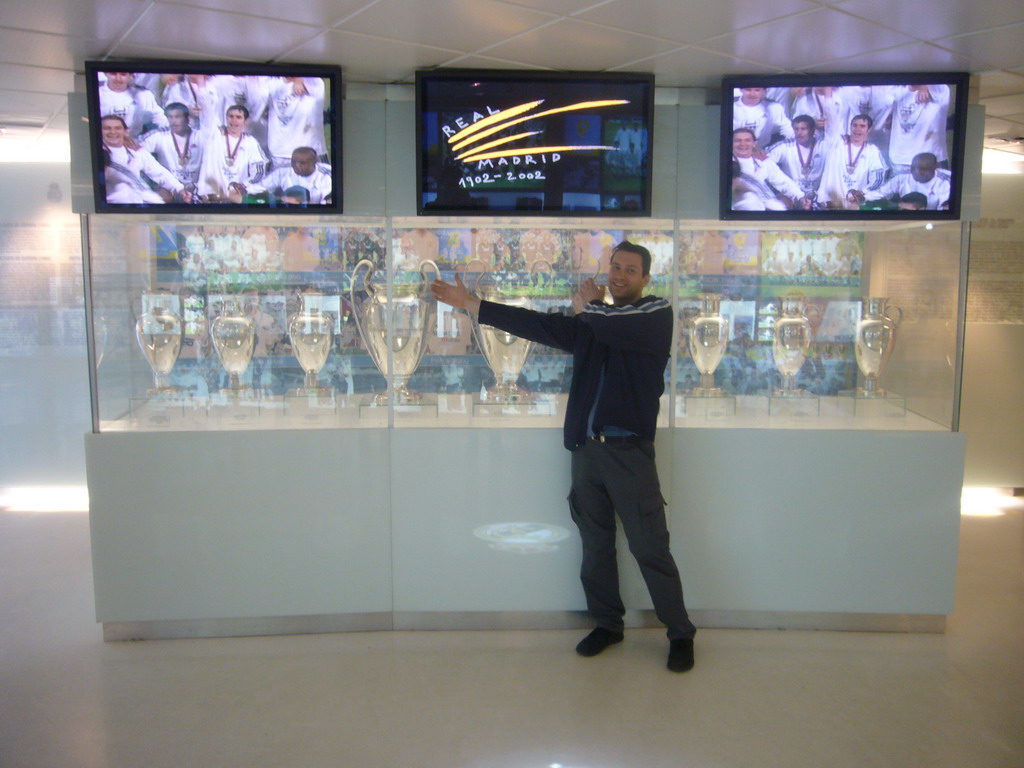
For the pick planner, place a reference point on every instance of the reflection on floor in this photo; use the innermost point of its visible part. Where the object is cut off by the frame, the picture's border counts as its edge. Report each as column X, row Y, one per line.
column 504, row 699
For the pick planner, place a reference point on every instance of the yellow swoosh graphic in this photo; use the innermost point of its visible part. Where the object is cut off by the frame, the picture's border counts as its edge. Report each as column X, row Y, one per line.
column 457, row 145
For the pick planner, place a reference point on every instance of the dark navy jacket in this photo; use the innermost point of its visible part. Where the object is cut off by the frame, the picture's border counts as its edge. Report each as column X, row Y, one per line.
column 631, row 344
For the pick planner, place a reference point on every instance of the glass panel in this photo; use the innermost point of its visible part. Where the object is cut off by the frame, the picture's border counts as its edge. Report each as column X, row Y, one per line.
column 203, row 326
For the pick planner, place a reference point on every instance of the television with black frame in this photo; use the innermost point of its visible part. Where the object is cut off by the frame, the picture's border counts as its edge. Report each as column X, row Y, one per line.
column 198, row 137
column 858, row 146
column 524, row 143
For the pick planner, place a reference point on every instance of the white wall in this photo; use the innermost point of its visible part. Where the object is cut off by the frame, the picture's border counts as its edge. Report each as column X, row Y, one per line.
column 992, row 398
column 44, row 389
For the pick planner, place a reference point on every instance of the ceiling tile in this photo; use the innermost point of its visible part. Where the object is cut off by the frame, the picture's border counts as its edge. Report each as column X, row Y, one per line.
column 558, row 7
column 677, row 22
column 107, row 20
column 227, row 34
column 476, row 61
column 695, row 68
column 915, row 57
column 799, row 42
column 463, row 25
column 929, row 20
column 571, row 44
column 321, row 13
column 999, row 48
column 999, row 83
column 995, row 126
column 47, row 50
column 41, row 79
column 23, row 107
column 1004, row 106
column 370, row 59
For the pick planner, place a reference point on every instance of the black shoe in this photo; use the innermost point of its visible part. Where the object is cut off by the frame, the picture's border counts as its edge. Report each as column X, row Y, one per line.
column 597, row 641
column 680, row 655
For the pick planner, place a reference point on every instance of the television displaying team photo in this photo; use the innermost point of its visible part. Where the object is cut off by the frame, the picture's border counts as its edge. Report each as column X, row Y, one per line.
column 545, row 143
column 185, row 136
column 859, row 146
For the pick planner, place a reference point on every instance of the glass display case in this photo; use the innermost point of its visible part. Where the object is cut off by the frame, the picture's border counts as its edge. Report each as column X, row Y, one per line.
column 256, row 323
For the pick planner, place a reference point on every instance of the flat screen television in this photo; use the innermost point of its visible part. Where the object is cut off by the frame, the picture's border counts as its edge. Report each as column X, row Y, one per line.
column 534, row 143
column 850, row 146
column 214, row 137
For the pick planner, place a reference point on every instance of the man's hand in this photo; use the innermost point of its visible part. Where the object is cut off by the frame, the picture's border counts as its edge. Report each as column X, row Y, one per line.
column 590, row 291
column 457, row 295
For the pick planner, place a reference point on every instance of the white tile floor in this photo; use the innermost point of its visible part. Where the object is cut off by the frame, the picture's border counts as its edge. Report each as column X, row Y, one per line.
column 504, row 699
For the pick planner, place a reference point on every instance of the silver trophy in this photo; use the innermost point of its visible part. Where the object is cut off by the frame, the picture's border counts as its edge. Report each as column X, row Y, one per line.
column 158, row 331
column 311, row 332
column 408, row 311
column 234, row 337
column 875, row 341
column 505, row 353
column 709, row 336
column 790, row 343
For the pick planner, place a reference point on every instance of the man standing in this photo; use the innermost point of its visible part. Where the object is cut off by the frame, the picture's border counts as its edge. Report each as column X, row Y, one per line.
column 177, row 147
column 802, row 158
column 133, row 175
column 758, row 182
column 854, row 167
column 232, row 160
column 925, row 177
column 304, row 172
column 619, row 358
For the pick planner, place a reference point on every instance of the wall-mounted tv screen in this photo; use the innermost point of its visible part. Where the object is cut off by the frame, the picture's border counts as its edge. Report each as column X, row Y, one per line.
column 852, row 146
column 214, row 137
column 512, row 141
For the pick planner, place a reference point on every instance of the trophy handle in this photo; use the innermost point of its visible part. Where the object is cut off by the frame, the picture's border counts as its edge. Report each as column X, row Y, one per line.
column 423, row 273
column 898, row 318
column 352, row 292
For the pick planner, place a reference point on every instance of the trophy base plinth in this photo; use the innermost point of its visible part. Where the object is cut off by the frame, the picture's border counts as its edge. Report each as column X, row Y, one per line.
column 234, row 408
column 532, row 406
column 310, row 406
column 792, row 403
column 706, row 406
column 876, row 403
column 506, row 395
column 158, row 411
column 706, row 392
column 166, row 392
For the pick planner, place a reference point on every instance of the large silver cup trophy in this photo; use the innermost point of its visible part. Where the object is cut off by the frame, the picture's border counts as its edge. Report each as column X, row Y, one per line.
column 234, row 338
column 875, row 341
column 311, row 331
column 789, row 347
column 410, row 309
column 505, row 353
column 709, row 336
column 158, row 330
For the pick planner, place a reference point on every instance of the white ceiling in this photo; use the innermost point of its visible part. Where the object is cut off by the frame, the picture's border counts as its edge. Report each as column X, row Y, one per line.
column 686, row 43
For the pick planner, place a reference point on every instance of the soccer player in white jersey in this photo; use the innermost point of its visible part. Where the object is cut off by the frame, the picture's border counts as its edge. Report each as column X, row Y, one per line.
column 136, row 106
column 232, row 160
column 767, row 119
column 854, row 166
column 826, row 105
column 802, row 158
column 924, row 177
column 758, row 183
column 295, row 118
column 177, row 148
column 304, row 172
column 206, row 96
column 133, row 175
column 919, row 124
